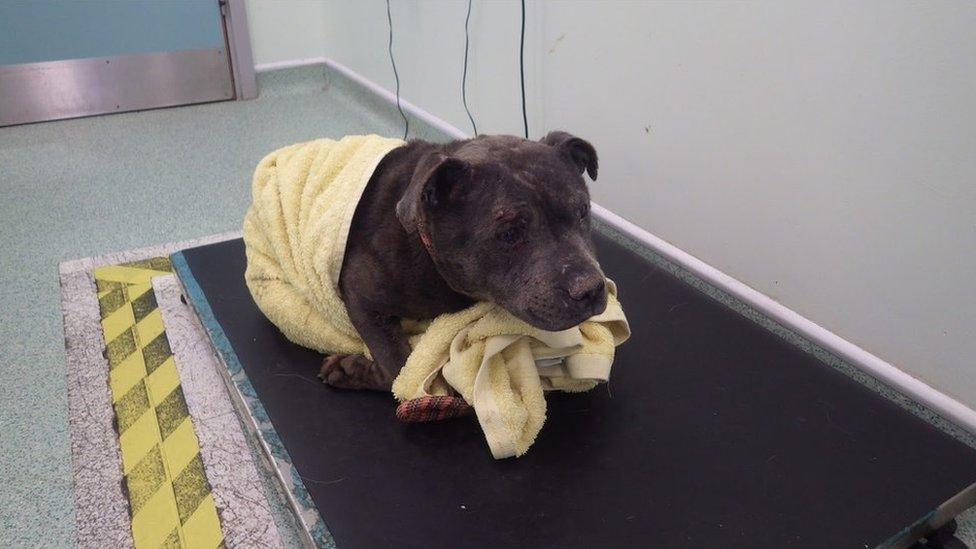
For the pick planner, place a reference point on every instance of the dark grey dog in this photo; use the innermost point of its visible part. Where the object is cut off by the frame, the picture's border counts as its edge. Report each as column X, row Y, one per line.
column 441, row 226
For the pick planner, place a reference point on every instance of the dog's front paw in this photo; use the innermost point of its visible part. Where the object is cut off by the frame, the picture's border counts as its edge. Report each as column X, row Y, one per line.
column 353, row 372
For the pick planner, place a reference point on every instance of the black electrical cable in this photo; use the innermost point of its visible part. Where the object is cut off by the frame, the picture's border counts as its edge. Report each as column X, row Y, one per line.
column 525, row 117
column 464, row 75
column 396, row 76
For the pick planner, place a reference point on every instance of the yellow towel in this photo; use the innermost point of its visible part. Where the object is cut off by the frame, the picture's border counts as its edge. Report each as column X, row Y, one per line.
column 303, row 200
column 501, row 366
column 295, row 232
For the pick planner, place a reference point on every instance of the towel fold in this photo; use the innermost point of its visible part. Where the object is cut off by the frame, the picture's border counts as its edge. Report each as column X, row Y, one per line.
column 303, row 200
column 501, row 365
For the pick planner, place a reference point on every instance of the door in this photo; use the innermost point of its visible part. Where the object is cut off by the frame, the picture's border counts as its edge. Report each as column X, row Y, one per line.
column 69, row 58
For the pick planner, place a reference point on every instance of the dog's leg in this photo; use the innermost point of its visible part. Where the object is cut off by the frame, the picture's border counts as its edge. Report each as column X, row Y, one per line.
column 386, row 342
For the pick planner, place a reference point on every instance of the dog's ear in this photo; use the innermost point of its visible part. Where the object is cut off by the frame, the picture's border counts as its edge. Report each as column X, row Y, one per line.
column 430, row 186
column 579, row 150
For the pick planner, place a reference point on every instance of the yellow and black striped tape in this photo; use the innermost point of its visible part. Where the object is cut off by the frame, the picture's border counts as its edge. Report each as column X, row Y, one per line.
column 170, row 502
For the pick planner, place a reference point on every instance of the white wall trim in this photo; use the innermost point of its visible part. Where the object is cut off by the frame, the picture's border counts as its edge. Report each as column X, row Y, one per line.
column 289, row 64
column 871, row 364
column 386, row 94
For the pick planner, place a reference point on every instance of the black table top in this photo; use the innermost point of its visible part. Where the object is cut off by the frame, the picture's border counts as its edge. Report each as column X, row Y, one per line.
column 713, row 432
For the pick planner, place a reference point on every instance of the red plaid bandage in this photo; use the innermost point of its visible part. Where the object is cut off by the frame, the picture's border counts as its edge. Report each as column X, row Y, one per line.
column 432, row 408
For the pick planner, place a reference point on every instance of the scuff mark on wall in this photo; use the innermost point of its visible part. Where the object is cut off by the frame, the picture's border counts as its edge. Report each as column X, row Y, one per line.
column 556, row 43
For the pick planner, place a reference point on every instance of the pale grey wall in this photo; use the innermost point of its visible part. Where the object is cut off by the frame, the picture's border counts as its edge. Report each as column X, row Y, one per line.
column 286, row 30
column 822, row 152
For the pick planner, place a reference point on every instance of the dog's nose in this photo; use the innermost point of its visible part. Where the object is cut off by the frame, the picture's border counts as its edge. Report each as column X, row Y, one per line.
column 587, row 288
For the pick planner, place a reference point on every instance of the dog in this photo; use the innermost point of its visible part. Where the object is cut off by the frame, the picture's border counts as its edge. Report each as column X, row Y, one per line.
column 442, row 226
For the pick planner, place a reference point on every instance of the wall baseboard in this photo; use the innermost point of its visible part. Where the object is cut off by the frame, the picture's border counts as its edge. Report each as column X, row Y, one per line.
column 876, row 367
column 289, row 64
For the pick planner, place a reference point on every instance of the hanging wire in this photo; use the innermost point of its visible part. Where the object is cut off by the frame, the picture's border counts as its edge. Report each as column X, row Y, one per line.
column 396, row 75
column 525, row 117
column 464, row 75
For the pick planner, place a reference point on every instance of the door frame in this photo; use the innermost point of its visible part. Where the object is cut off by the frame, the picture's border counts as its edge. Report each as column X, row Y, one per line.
column 238, row 37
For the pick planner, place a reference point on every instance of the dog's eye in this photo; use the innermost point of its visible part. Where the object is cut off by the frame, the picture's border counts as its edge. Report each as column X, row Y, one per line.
column 584, row 212
column 512, row 234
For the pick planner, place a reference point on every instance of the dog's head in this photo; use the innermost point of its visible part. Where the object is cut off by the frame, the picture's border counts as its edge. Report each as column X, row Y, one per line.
column 507, row 220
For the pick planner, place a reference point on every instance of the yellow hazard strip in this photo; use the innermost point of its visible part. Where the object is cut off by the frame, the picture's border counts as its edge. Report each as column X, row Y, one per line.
column 170, row 502
column 128, row 275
